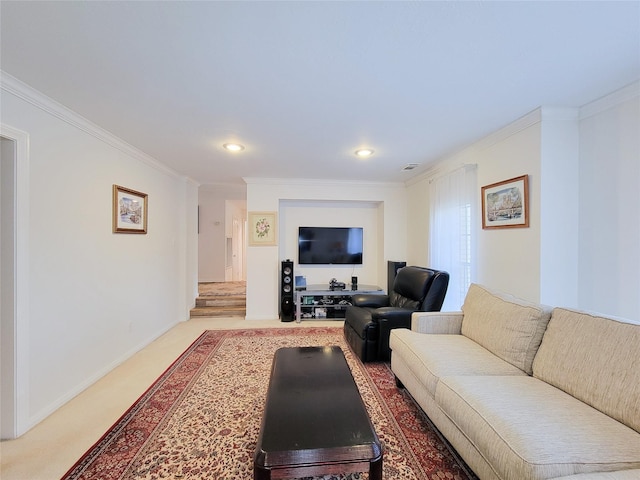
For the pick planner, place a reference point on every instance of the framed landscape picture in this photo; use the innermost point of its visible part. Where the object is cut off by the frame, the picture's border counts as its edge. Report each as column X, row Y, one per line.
column 506, row 204
column 263, row 228
column 129, row 210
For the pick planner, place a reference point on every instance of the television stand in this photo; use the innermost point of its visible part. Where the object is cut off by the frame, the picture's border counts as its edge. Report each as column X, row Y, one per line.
column 320, row 302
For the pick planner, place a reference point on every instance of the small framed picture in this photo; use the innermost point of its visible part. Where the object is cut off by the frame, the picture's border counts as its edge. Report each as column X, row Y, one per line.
column 129, row 210
column 263, row 228
column 506, row 204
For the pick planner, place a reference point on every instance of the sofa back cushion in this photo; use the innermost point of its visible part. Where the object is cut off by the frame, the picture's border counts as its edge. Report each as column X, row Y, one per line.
column 409, row 287
column 507, row 326
column 419, row 288
column 595, row 359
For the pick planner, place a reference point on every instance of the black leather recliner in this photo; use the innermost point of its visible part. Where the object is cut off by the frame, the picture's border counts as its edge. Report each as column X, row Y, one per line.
column 370, row 319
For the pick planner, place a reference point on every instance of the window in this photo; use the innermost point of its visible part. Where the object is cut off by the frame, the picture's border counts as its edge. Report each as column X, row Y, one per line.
column 451, row 242
column 465, row 250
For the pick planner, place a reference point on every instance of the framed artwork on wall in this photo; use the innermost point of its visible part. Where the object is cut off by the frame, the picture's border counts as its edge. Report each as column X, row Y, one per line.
column 129, row 210
column 506, row 204
column 263, row 228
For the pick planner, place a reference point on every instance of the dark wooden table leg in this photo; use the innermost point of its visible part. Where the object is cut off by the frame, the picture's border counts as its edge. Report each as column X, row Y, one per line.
column 375, row 469
column 264, row 474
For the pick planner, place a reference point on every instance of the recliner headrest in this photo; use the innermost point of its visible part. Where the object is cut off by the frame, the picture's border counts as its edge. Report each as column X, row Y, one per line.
column 413, row 282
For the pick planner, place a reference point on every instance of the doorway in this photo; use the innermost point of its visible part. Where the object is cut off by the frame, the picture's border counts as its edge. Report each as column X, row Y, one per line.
column 14, row 286
column 221, row 226
column 7, row 288
column 235, row 215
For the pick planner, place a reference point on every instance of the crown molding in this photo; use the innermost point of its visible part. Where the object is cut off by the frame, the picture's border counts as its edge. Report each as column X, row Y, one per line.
column 611, row 100
column 36, row 98
column 451, row 162
column 191, row 181
column 233, row 188
column 536, row 116
column 560, row 113
column 532, row 118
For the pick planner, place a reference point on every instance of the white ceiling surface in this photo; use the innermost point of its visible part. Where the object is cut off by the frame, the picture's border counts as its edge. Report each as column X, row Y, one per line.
column 303, row 84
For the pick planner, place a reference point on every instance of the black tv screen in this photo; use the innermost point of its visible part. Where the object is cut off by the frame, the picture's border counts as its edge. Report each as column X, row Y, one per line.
column 330, row 245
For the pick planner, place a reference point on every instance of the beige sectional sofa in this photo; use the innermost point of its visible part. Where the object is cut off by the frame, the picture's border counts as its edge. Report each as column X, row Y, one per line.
column 526, row 392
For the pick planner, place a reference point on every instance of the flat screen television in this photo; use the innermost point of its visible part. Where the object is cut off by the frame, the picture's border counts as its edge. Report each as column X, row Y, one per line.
column 330, row 245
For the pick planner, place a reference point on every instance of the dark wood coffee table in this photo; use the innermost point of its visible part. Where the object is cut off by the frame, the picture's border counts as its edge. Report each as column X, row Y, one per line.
column 314, row 421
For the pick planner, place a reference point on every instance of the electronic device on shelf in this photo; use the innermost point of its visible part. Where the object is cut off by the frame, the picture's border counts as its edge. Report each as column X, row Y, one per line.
column 336, row 285
column 301, row 282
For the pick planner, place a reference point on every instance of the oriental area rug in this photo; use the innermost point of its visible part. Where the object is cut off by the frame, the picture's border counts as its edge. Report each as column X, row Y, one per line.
column 201, row 419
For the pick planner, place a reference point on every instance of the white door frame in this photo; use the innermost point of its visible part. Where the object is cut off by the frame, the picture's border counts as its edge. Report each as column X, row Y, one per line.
column 16, row 417
column 238, row 252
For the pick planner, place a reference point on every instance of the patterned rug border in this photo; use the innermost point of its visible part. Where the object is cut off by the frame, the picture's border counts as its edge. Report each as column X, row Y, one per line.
column 193, row 367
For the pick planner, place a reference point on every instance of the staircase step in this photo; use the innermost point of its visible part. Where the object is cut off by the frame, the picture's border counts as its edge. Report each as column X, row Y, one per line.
column 226, row 299
column 225, row 311
column 221, row 301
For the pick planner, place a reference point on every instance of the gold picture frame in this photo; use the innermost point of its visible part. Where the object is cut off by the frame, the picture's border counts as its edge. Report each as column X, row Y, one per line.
column 130, row 209
column 263, row 228
column 506, row 204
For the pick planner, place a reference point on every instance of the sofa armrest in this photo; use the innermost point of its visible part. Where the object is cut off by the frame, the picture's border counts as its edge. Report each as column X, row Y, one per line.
column 387, row 319
column 370, row 300
column 437, row 322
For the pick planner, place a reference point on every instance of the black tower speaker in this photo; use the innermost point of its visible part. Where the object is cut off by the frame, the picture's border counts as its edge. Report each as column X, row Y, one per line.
column 392, row 271
column 287, row 307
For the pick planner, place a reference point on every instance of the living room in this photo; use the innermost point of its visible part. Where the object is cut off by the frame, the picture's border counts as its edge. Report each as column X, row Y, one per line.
column 82, row 292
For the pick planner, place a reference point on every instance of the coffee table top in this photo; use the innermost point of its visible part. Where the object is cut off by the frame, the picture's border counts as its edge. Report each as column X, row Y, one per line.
column 313, row 404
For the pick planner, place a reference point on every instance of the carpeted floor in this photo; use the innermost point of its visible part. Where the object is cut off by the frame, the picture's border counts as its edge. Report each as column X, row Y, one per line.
column 202, row 417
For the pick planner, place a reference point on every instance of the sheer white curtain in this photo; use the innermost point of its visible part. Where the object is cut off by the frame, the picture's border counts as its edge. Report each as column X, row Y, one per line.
column 453, row 213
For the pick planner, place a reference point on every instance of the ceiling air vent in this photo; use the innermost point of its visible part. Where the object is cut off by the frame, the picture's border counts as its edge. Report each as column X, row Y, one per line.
column 409, row 166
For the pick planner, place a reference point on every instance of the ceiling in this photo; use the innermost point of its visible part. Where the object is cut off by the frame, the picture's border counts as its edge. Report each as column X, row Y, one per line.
column 304, row 84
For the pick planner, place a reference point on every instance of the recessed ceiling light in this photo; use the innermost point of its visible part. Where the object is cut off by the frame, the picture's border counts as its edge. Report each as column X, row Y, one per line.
column 233, row 147
column 364, row 152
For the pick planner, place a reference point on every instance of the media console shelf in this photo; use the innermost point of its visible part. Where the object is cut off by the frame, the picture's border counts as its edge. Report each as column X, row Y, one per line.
column 318, row 301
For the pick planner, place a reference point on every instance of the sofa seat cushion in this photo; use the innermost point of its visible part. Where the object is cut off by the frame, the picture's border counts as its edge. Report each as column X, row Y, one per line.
column 528, row 429
column 432, row 356
column 619, row 475
column 507, row 326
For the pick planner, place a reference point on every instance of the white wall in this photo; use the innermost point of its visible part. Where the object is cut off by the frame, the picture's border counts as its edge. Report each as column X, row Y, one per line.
column 418, row 228
column 215, row 226
column 294, row 214
column 559, row 202
column 509, row 259
column 502, row 255
column 582, row 248
column 609, row 241
column 355, row 202
column 94, row 297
